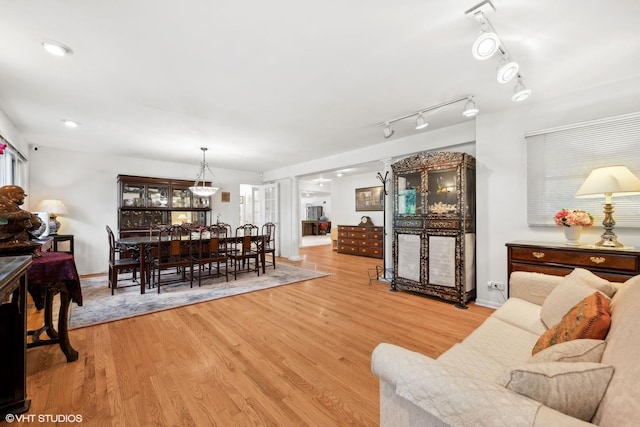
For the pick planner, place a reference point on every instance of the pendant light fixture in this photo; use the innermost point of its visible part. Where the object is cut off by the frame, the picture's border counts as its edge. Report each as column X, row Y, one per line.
column 200, row 187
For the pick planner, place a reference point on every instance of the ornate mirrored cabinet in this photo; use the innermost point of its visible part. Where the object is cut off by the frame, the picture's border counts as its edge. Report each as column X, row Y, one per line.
column 434, row 225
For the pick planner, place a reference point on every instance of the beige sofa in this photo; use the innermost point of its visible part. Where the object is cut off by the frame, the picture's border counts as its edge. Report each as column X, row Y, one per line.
column 472, row 384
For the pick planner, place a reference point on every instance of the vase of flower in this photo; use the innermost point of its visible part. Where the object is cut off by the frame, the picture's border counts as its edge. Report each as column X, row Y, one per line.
column 572, row 234
column 572, row 222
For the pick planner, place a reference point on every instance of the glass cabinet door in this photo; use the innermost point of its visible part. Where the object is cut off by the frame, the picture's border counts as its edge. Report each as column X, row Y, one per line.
column 442, row 196
column 409, row 194
column 134, row 195
column 157, row 196
column 181, row 198
column 201, row 202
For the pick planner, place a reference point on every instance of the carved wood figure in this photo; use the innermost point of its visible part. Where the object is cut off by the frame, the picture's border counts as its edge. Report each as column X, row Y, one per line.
column 15, row 236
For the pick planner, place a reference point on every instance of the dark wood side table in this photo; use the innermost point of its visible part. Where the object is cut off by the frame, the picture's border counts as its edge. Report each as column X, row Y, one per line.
column 54, row 273
column 59, row 238
column 616, row 265
column 13, row 337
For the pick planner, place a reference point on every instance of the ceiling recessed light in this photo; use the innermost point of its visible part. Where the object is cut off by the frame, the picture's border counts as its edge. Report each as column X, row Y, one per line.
column 57, row 48
column 70, row 123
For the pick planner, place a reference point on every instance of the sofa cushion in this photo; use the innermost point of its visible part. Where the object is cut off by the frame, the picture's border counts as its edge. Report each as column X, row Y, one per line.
column 521, row 313
column 502, row 342
column 621, row 403
column 590, row 318
column 483, row 366
column 580, row 350
column 571, row 290
column 574, row 389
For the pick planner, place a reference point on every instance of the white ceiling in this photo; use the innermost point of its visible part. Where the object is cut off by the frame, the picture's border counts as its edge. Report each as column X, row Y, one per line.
column 268, row 84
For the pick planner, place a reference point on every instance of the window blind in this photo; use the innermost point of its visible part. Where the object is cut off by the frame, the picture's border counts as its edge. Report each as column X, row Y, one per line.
column 560, row 159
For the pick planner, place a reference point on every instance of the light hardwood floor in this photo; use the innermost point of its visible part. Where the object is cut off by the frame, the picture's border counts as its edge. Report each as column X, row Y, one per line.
column 293, row 355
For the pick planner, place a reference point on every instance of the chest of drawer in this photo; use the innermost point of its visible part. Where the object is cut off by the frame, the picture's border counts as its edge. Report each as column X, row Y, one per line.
column 600, row 260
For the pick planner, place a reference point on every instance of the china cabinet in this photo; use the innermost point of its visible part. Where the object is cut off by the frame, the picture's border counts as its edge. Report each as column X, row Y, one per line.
column 434, row 225
column 145, row 201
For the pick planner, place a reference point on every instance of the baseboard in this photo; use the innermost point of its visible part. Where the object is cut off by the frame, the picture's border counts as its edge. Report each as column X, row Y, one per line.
column 487, row 303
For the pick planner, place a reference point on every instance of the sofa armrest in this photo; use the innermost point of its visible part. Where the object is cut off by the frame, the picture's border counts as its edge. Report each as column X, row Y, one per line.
column 532, row 287
column 454, row 398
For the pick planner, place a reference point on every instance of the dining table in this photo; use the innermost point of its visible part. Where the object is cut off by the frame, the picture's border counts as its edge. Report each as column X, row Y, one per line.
column 143, row 244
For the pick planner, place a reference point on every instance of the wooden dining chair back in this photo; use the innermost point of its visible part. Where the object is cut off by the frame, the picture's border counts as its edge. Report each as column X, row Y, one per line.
column 119, row 262
column 269, row 241
column 211, row 248
column 247, row 249
column 174, row 250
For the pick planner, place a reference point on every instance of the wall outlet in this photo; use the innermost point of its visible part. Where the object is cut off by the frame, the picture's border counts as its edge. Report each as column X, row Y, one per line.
column 495, row 285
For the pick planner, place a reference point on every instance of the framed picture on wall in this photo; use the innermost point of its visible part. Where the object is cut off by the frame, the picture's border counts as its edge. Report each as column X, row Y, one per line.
column 369, row 199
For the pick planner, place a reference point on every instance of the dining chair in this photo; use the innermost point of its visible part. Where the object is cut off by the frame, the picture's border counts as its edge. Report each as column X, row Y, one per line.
column 174, row 250
column 119, row 263
column 269, row 242
column 211, row 248
column 248, row 249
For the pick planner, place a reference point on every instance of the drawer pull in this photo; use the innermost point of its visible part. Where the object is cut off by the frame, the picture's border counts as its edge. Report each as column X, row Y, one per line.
column 597, row 259
column 538, row 254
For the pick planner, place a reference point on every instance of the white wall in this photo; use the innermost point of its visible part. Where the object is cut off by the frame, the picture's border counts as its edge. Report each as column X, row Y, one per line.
column 500, row 154
column 87, row 185
column 502, row 175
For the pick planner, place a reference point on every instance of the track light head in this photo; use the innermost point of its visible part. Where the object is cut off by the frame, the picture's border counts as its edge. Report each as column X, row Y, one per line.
column 485, row 45
column 520, row 92
column 388, row 131
column 470, row 109
column 421, row 123
column 507, row 70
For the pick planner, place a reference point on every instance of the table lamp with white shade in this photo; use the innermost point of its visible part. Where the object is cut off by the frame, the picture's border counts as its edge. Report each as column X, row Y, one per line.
column 610, row 181
column 54, row 208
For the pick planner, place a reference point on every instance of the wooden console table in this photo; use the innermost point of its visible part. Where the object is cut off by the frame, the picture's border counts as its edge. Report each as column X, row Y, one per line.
column 13, row 327
column 616, row 265
column 50, row 274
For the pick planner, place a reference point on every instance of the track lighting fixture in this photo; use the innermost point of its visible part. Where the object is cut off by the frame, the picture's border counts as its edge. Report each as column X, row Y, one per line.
column 421, row 123
column 486, row 45
column 520, row 92
column 508, row 69
column 388, row 131
column 470, row 110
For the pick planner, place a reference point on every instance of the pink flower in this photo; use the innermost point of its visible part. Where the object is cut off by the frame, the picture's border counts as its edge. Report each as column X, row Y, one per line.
column 575, row 217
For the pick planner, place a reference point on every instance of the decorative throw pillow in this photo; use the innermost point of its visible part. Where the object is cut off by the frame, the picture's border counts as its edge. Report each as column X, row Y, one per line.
column 571, row 290
column 575, row 389
column 580, row 350
column 590, row 318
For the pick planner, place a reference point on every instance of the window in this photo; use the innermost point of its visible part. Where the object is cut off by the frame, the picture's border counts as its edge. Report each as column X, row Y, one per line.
column 12, row 166
column 559, row 160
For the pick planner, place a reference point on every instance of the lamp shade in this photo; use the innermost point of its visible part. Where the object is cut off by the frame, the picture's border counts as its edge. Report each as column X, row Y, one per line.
column 52, row 206
column 609, row 181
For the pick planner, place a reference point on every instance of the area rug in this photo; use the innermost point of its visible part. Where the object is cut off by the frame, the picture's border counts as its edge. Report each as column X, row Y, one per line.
column 100, row 306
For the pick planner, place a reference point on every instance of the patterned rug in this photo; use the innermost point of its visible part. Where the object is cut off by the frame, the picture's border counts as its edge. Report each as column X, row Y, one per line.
column 100, row 306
